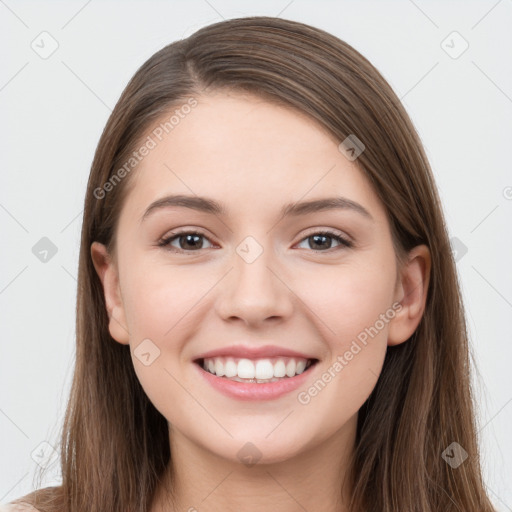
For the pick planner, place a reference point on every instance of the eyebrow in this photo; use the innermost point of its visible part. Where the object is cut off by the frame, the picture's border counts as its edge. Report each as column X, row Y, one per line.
column 207, row 205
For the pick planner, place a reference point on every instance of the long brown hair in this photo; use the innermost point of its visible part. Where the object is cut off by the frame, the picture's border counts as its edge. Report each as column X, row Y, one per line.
column 114, row 443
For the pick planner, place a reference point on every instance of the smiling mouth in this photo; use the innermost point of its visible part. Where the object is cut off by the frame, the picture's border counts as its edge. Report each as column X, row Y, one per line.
column 259, row 371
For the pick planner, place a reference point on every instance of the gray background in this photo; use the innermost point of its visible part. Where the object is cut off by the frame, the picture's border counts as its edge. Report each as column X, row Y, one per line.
column 54, row 107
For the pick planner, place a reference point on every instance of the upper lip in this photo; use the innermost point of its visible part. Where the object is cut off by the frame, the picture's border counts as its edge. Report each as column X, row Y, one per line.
column 251, row 352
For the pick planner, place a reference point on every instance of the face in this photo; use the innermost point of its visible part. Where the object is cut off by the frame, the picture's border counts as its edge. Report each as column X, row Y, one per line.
column 246, row 280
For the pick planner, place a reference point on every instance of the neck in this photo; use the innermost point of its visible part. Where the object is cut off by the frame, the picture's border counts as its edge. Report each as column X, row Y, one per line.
column 317, row 478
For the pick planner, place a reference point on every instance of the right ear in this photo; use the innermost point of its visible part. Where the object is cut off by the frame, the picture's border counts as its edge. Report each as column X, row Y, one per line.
column 109, row 276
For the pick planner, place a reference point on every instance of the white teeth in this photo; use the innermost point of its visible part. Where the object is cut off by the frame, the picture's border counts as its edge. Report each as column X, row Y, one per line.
column 230, row 368
column 301, row 366
column 279, row 369
column 264, row 370
column 290, row 368
column 219, row 368
column 245, row 369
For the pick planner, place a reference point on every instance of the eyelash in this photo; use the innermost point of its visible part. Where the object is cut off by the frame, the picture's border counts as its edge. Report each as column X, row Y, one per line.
column 165, row 242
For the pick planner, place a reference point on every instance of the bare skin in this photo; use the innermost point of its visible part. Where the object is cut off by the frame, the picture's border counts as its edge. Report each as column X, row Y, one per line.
column 311, row 295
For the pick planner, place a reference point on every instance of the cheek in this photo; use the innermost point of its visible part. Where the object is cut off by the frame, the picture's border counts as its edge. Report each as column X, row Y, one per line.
column 160, row 301
column 160, row 315
column 341, row 386
column 357, row 344
column 353, row 304
column 349, row 298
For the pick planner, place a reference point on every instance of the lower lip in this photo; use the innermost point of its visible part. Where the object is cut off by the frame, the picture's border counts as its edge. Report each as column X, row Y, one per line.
column 253, row 390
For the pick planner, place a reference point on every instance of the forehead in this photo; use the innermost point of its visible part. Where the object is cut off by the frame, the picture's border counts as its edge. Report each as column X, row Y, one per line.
column 243, row 150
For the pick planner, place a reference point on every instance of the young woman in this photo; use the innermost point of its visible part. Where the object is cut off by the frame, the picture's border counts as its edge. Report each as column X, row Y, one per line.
column 268, row 315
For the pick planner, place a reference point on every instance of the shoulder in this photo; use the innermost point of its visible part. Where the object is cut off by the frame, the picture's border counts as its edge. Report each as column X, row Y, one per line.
column 14, row 507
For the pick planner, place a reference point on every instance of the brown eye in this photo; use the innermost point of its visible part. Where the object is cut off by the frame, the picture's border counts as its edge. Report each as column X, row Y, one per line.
column 187, row 241
column 322, row 241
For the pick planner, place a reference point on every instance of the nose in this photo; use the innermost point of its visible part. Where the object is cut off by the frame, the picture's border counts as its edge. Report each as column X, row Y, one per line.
column 255, row 292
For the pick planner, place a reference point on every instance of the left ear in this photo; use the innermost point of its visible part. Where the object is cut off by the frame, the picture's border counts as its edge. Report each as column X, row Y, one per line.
column 108, row 273
column 411, row 292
